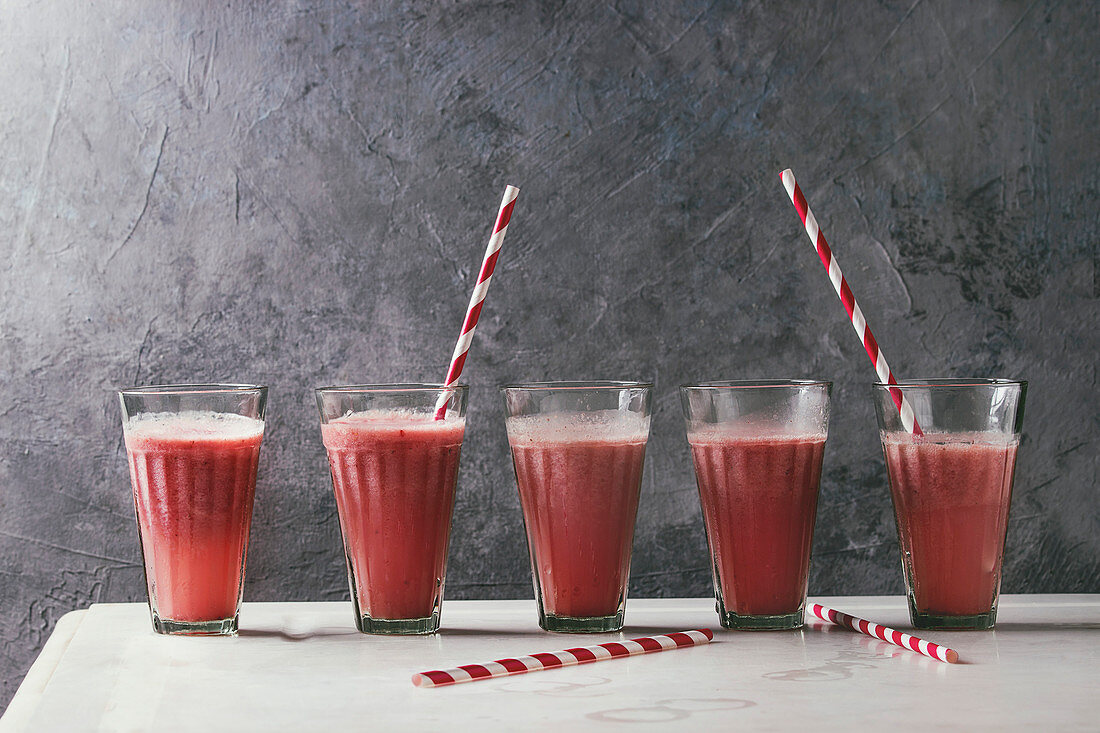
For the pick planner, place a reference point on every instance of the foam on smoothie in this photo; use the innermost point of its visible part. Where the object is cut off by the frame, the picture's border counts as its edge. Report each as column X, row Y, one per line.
column 190, row 426
column 746, row 432
column 601, row 426
column 352, row 429
column 998, row 440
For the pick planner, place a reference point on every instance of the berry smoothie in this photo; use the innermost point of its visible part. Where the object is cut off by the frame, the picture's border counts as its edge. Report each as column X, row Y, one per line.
column 394, row 474
column 951, row 496
column 194, row 479
column 759, row 499
column 579, row 477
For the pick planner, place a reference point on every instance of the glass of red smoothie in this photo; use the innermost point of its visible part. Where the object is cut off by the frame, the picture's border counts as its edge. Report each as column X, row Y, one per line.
column 193, row 451
column 394, row 469
column 757, row 448
column 578, row 450
column 951, row 489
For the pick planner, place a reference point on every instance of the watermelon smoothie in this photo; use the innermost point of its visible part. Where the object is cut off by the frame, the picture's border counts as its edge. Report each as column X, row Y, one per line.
column 757, row 447
column 759, row 498
column 394, row 474
column 579, row 477
column 194, row 478
column 951, row 494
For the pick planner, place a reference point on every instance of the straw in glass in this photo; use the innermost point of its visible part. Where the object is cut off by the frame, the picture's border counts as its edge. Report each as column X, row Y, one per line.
column 855, row 314
column 477, row 298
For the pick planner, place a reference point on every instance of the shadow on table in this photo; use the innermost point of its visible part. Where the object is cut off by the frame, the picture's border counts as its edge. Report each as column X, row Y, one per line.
column 295, row 636
column 535, row 631
column 564, row 640
column 1047, row 626
column 568, row 640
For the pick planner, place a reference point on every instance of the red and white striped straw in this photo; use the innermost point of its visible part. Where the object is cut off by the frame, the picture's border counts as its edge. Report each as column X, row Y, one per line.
column 564, row 658
column 477, row 298
column 927, row 648
column 859, row 323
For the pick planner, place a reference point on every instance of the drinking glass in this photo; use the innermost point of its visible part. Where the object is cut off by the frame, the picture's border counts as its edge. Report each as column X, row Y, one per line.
column 951, row 486
column 578, row 450
column 393, row 450
column 193, row 451
column 757, row 447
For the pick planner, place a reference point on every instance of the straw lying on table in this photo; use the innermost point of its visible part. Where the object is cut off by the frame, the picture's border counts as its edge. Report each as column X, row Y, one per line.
column 477, row 298
column 859, row 323
column 564, row 658
column 920, row 646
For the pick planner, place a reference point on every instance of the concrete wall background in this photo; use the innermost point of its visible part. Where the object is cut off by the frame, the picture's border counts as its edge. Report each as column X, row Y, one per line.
column 298, row 193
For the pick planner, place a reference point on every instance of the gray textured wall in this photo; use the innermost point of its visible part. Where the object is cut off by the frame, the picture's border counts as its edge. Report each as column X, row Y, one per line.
column 299, row 194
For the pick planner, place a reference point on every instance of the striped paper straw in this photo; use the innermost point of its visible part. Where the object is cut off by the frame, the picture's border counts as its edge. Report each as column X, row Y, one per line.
column 564, row 658
column 477, row 298
column 859, row 323
column 920, row 646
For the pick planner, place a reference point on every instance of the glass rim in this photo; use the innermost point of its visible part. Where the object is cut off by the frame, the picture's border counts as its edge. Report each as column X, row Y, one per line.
column 757, row 384
column 952, row 382
column 391, row 388
column 203, row 388
column 600, row 384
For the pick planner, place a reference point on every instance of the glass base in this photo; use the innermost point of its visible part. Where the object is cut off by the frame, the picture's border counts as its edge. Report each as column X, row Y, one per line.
column 782, row 622
column 369, row 625
column 581, row 625
column 978, row 621
column 220, row 627
column 779, row 622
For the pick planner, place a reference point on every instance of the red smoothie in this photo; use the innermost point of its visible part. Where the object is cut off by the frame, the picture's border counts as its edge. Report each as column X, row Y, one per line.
column 394, row 475
column 579, row 478
column 951, row 496
column 759, row 499
column 194, row 479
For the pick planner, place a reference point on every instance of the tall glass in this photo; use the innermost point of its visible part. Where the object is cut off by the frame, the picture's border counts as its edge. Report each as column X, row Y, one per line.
column 757, row 447
column 951, row 489
column 193, row 451
column 578, row 450
column 394, row 470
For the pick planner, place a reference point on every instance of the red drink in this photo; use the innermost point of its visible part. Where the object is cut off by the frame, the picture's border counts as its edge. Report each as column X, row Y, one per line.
column 759, row 498
column 394, row 474
column 579, row 478
column 194, row 479
column 951, row 497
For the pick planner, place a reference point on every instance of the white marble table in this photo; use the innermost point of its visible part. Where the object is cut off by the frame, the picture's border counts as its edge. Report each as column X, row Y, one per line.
column 303, row 667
